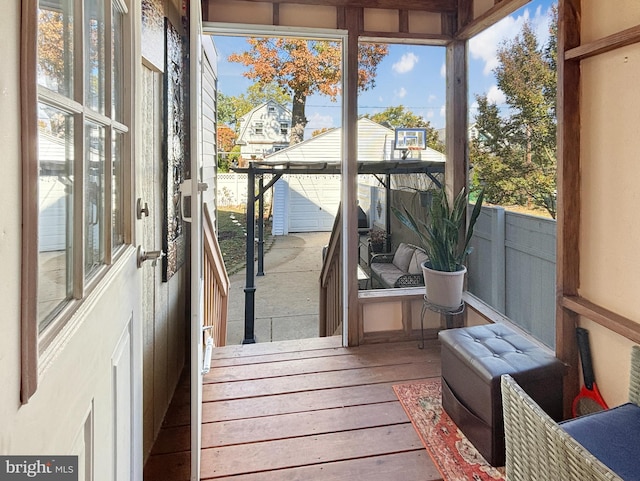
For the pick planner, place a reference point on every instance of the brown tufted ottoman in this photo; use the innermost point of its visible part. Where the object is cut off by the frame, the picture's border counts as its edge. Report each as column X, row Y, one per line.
column 473, row 359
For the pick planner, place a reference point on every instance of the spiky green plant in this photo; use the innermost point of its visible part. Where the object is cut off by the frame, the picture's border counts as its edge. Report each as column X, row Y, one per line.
column 440, row 230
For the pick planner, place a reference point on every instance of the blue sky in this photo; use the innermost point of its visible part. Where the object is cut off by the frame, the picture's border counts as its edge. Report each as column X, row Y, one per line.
column 410, row 75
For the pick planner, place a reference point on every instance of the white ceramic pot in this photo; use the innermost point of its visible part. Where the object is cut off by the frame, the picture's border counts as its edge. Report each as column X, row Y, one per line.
column 444, row 288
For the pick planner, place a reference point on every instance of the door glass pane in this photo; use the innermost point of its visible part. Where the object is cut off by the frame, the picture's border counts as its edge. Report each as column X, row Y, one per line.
column 94, row 198
column 55, row 211
column 116, row 62
column 118, row 222
column 55, row 46
column 94, row 54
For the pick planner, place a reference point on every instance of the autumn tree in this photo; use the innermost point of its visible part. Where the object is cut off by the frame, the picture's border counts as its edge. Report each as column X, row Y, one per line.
column 397, row 117
column 514, row 156
column 303, row 68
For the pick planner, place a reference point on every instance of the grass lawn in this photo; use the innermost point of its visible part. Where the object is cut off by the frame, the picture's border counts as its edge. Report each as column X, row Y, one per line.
column 232, row 223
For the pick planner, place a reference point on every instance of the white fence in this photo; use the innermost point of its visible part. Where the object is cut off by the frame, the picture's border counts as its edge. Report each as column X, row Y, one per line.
column 513, row 268
column 232, row 189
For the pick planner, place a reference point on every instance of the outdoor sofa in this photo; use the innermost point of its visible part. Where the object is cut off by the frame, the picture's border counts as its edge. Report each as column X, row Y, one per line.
column 399, row 269
column 600, row 446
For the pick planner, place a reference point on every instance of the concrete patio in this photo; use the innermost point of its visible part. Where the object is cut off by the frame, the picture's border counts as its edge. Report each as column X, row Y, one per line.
column 286, row 298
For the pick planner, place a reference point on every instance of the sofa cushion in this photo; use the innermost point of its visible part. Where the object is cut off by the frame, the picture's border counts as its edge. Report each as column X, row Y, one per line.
column 418, row 257
column 387, row 272
column 612, row 436
column 402, row 257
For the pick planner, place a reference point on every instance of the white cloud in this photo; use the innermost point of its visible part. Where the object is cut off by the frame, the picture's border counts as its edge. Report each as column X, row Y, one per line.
column 380, row 99
column 443, row 70
column 443, row 111
column 406, row 63
column 430, row 114
column 318, row 121
column 401, row 93
column 485, row 45
column 431, row 98
column 496, row 96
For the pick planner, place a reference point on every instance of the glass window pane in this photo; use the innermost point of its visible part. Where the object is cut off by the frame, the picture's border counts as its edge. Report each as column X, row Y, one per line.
column 116, row 62
column 118, row 200
column 94, row 198
column 94, row 55
column 55, row 46
column 55, row 211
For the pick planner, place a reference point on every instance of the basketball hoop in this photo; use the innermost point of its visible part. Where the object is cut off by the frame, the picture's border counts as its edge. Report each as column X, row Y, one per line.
column 411, row 148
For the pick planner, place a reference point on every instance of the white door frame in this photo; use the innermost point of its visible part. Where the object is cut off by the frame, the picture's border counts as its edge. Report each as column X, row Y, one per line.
column 197, row 256
column 245, row 30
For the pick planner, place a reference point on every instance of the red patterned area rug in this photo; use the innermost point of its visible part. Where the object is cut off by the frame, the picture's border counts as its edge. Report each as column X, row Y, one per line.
column 454, row 456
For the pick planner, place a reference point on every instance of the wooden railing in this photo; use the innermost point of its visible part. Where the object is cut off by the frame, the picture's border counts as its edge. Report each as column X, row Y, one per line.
column 331, row 282
column 216, row 285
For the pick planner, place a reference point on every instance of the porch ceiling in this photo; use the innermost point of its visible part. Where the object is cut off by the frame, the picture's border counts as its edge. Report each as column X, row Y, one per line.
column 424, row 5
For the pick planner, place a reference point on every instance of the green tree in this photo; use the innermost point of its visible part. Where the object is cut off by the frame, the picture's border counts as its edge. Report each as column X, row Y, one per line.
column 514, row 157
column 396, row 117
column 303, row 68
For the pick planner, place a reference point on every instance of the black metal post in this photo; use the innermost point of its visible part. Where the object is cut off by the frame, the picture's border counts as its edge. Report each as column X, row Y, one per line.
column 250, row 288
column 388, row 212
column 261, row 226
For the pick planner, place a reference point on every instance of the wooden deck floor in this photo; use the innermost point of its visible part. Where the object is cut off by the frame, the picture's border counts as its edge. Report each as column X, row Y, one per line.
column 301, row 410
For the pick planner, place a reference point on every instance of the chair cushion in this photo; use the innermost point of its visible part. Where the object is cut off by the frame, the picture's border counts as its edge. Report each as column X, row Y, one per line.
column 415, row 266
column 402, row 257
column 612, row 436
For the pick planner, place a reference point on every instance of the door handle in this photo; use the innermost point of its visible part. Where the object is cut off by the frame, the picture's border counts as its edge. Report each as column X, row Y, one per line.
column 148, row 256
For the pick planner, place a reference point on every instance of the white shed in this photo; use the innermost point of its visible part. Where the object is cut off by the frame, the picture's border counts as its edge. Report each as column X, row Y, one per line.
column 309, row 203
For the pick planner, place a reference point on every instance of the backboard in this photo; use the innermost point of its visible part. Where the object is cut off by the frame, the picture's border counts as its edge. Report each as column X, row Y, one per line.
column 411, row 138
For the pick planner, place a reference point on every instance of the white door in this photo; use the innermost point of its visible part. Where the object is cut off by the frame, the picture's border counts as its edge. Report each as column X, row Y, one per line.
column 197, row 283
column 313, row 202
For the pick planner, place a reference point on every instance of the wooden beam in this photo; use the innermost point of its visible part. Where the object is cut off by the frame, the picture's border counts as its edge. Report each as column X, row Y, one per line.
column 489, row 18
column 276, row 13
column 456, row 167
column 354, row 23
column 403, row 21
column 420, row 5
column 413, row 38
column 568, row 175
column 465, row 13
column 606, row 318
column 606, row 44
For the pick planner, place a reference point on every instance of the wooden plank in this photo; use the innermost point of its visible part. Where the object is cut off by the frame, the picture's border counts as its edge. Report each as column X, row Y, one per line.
column 629, row 36
column 612, row 321
column 324, row 448
column 316, row 353
column 276, row 347
column 317, row 365
column 409, row 466
column 317, row 381
column 250, row 430
column 302, row 424
column 284, row 356
column 297, row 402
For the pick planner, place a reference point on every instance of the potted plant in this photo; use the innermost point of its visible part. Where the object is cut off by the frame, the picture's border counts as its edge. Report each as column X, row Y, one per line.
column 439, row 235
column 377, row 237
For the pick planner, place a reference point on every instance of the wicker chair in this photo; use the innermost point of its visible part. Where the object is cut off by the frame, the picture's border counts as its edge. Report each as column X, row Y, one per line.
column 539, row 449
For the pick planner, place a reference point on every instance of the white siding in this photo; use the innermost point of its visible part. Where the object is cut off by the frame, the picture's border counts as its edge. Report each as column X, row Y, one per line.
column 209, row 124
